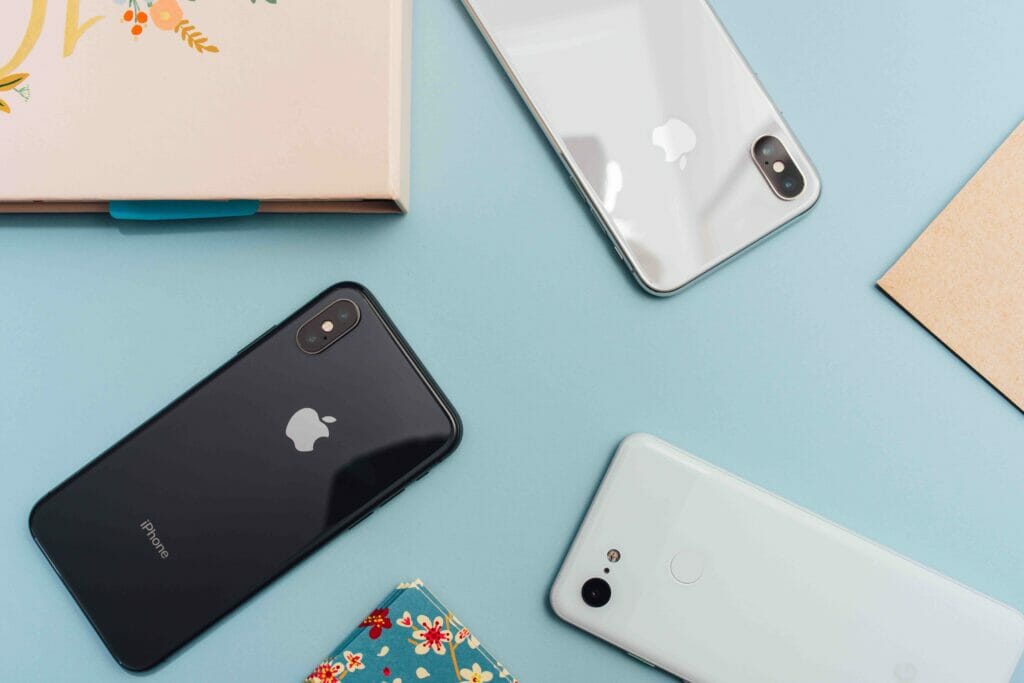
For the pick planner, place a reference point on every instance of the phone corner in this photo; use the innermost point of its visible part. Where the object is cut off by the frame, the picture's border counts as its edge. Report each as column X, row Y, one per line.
column 140, row 667
column 637, row 438
column 457, row 429
column 815, row 190
column 558, row 601
column 33, row 515
column 1016, row 663
column 1016, row 617
column 350, row 285
column 635, row 443
column 659, row 290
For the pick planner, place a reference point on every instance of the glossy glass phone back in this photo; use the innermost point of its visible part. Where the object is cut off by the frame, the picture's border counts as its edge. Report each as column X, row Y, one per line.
column 655, row 111
column 240, row 478
column 722, row 582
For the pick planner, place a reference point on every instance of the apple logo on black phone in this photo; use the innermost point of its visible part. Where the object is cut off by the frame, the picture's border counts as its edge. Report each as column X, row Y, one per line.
column 306, row 427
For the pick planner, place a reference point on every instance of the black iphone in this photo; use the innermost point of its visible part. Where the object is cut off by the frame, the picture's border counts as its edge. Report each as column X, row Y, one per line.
column 301, row 435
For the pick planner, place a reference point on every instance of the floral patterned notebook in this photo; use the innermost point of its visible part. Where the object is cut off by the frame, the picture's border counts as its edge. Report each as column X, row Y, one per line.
column 301, row 105
column 410, row 637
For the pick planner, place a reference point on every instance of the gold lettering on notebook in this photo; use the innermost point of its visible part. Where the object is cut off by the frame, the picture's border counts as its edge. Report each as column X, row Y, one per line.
column 35, row 27
column 72, row 29
column 72, row 32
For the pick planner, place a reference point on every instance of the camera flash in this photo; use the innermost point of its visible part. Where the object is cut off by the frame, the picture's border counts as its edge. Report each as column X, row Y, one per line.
column 614, row 555
column 327, row 326
column 778, row 167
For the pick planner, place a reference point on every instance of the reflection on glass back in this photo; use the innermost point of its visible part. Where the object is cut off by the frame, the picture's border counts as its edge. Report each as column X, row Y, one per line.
column 656, row 111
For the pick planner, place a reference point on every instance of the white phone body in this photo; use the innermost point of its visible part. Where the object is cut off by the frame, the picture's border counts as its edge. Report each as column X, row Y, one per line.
column 654, row 112
column 776, row 594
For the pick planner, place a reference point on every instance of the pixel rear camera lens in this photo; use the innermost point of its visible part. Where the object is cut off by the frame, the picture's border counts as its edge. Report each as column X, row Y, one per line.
column 596, row 592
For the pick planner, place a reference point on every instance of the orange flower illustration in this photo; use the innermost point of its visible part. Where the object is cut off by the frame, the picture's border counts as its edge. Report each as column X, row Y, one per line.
column 166, row 14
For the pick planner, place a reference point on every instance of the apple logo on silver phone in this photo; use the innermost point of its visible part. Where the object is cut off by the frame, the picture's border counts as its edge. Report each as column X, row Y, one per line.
column 676, row 139
column 306, row 427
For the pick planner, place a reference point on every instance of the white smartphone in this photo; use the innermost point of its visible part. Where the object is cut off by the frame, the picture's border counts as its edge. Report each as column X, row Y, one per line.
column 714, row 580
column 661, row 123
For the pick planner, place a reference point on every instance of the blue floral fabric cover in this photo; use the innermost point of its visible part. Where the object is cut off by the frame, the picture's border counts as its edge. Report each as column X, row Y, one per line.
column 410, row 637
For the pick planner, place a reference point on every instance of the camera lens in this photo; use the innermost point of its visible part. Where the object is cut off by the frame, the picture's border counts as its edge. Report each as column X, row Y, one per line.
column 792, row 185
column 328, row 326
column 778, row 168
column 596, row 592
column 345, row 312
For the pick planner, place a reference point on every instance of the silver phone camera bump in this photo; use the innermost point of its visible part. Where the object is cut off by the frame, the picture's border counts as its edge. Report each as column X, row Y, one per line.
column 778, row 168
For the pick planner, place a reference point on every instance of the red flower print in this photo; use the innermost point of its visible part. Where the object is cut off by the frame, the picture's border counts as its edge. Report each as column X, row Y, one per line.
column 378, row 620
column 432, row 635
column 325, row 673
column 353, row 660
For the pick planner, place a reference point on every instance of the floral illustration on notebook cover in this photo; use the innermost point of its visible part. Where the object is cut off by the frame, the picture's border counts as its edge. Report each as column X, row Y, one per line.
column 139, row 16
column 164, row 15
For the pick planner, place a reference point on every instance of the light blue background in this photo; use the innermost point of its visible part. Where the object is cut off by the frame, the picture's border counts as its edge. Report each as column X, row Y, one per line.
column 787, row 366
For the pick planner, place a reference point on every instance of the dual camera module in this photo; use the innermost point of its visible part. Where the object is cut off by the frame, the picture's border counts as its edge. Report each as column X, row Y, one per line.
column 328, row 326
column 778, row 167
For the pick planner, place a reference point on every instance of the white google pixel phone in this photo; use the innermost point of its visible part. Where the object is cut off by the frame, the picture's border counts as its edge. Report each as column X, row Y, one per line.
column 661, row 124
column 717, row 581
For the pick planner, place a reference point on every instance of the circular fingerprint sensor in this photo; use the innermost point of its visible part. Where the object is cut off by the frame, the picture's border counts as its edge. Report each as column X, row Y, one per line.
column 688, row 566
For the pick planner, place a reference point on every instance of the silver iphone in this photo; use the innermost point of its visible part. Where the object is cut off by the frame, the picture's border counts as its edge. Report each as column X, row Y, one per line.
column 682, row 156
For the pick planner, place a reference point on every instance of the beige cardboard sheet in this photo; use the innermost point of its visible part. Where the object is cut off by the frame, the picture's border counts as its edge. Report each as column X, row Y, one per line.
column 963, row 278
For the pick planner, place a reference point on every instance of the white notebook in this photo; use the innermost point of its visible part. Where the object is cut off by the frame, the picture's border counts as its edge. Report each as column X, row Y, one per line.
column 300, row 105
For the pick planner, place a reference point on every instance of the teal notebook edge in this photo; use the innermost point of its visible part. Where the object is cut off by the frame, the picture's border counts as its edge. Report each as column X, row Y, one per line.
column 167, row 210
